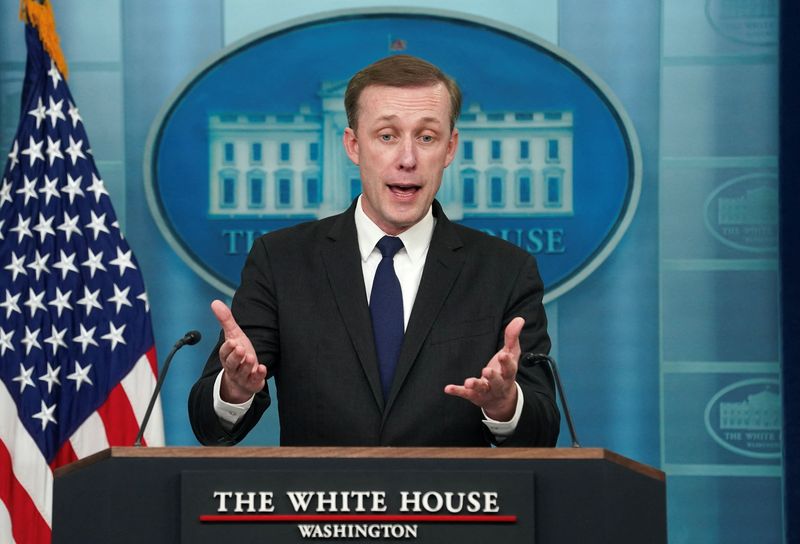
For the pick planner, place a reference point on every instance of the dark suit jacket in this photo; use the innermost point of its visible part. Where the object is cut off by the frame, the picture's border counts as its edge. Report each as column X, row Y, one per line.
column 303, row 305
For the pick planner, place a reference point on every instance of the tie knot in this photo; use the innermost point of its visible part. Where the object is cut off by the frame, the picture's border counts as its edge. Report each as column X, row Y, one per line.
column 389, row 245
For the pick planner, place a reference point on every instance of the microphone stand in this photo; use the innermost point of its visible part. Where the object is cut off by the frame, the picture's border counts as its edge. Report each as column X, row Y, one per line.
column 190, row 338
column 533, row 359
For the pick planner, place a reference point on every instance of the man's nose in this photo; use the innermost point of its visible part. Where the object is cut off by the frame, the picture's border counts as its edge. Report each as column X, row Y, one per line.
column 408, row 155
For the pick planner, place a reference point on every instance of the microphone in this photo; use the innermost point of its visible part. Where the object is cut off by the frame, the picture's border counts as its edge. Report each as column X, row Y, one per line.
column 533, row 359
column 189, row 339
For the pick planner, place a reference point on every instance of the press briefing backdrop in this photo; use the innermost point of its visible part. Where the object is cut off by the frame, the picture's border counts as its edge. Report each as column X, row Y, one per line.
column 664, row 116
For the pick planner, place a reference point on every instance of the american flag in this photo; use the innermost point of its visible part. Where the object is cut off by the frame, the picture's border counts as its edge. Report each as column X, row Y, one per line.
column 77, row 357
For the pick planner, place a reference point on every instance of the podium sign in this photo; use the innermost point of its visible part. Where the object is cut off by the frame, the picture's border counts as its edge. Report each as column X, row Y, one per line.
column 431, row 506
column 424, row 495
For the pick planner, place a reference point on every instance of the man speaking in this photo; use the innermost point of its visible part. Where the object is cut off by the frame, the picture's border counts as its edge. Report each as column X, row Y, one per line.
column 386, row 325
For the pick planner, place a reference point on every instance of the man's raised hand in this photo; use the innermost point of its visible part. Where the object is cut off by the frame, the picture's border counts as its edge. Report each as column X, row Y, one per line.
column 495, row 390
column 243, row 375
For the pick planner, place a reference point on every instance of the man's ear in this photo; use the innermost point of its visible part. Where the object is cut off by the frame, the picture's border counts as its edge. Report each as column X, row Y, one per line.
column 350, row 143
column 452, row 147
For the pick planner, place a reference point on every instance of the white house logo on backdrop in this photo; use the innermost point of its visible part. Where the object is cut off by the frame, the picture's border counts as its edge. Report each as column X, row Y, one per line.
column 745, row 418
column 252, row 142
column 271, row 166
column 743, row 213
column 753, row 22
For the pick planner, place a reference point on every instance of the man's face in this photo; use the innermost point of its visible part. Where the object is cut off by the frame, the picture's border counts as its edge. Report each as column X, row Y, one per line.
column 402, row 145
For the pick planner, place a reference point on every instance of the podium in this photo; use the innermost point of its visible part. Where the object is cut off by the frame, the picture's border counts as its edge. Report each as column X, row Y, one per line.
column 287, row 494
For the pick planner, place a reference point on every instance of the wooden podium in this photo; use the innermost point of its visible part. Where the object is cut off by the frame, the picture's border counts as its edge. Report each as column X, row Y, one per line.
column 271, row 495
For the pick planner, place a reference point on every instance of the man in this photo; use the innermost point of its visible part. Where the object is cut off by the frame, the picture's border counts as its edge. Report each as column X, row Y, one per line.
column 370, row 347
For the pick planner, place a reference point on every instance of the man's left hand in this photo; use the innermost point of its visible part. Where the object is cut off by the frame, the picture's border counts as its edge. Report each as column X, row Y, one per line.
column 495, row 391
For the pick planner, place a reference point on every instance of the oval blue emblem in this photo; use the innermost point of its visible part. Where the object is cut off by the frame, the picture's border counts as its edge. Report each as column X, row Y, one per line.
column 753, row 22
column 743, row 213
column 745, row 418
column 548, row 158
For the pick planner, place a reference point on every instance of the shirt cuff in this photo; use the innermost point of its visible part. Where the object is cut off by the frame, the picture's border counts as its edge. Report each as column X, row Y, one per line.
column 503, row 429
column 228, row 414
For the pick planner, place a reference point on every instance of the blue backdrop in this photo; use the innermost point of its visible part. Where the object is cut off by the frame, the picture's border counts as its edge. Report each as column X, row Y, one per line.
column 660, row 344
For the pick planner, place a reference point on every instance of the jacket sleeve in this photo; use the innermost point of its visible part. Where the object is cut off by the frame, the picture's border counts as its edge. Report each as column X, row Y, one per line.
column 255, row 310
column 540, row 420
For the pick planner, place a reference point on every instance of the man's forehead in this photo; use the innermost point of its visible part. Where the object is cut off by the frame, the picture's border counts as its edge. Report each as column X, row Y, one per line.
column 388, row 101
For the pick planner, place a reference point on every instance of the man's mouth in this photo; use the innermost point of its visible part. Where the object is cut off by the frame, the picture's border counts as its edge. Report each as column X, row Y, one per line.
column 403, row 190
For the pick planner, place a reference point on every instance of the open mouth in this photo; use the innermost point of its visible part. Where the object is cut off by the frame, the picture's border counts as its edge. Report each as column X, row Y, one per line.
column 404, row 191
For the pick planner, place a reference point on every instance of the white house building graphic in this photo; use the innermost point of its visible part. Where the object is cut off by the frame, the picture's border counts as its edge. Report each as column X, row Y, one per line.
column 509, row 163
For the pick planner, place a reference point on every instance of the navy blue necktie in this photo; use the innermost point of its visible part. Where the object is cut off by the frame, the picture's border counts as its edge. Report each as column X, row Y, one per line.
column 386, row 308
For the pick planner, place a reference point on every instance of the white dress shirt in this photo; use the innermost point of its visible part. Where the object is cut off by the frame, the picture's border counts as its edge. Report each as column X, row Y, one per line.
column 409, row 262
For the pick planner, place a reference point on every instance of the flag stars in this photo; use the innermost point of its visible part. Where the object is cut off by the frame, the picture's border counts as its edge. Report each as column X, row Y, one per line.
column 81, row 375
column 28, row 189
column 86, row 338
column 74, row 150
column 34, row 302
column 66, row 264
column 5, row 341
column 120, row 297
column 70, row 226
column 5, row 192
column 97, row 187
column 44, row 227
column 56, row 338
column 143, row 298
column 46, row 415
column 24, row 378
column 89, row 300
column 114, row 335
column 16, row 266
column 61, row 301
column 49, row 189
column 34, row 150
column 74, row 115
column 73, row 187
column 54, row 74
column 39, row 113
column 94, row 262
column 10, row 304
column 22, row 229
column 51, row 377
column 123, row 261
column 54, row 150
column 54, row 111
column 39, row 264
column 31, row 340
column 97, row 224
column 13, row 156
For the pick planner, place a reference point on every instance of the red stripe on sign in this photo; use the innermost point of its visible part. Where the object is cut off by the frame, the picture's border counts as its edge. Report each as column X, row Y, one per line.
column 118, row 418
column 65, row 456
column 27, row 524
column 426, row 518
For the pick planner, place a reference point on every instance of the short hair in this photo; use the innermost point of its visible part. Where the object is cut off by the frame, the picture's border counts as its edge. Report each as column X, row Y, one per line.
column 399, row 71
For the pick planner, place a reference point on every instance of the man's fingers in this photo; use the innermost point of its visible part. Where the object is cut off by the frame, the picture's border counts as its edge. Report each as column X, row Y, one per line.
column 258, row 373
column 463, row 392
column 512, row 332
column 507, row 368
column 225, row 318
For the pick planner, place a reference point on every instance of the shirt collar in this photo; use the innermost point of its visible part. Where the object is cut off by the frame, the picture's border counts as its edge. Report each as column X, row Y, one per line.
column 415, row 240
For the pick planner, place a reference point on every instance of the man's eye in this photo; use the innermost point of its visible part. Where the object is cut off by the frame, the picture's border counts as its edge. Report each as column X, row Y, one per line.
column 426, row 139
column 385, row 137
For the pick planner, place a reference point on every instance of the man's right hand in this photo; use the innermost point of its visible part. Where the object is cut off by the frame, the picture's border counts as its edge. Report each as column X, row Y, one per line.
column 243, row 376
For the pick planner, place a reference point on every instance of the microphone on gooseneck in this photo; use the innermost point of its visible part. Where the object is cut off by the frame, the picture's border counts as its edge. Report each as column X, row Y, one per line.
column 533, row 359
column 189, row 339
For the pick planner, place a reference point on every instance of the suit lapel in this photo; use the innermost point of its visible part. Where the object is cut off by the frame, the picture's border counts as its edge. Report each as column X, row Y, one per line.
column 442, row 267
column 343, row 264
